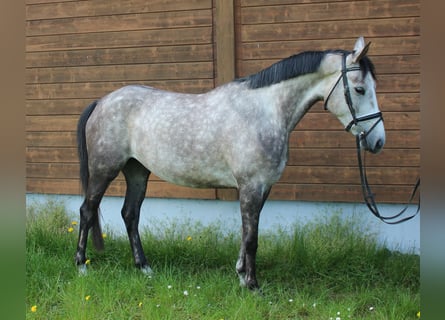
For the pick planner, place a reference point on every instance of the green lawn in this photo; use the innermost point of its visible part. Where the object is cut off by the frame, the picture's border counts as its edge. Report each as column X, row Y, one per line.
column 324, row 270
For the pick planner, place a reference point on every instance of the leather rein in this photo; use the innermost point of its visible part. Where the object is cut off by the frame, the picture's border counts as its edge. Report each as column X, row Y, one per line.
column 368, row 195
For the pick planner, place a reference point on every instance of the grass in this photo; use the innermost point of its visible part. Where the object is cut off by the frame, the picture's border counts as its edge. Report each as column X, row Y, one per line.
column 324, row 270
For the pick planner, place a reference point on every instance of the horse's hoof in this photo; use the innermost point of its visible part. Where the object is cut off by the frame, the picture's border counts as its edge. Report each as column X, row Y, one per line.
column 242, row 281
column 147, row 271
column 249, row 284
column 82, row 268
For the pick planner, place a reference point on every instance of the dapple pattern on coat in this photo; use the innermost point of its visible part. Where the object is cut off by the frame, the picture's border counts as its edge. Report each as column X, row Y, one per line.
column 235, row 135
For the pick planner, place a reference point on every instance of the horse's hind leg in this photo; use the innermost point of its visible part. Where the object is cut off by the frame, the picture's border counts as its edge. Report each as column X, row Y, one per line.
column 89, row 215
column 252, row 198
column 136, row 176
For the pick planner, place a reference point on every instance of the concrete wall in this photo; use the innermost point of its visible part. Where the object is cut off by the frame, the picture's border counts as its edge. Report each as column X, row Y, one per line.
column 403, row 237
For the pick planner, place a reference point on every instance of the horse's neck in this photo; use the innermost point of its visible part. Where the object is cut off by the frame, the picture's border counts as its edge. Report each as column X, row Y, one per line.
column 294, row 97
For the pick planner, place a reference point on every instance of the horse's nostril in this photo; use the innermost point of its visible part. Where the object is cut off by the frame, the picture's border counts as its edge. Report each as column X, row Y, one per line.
column 379, row 144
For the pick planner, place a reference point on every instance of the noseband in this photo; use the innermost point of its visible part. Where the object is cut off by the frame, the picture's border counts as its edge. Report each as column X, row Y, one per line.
column 347, row 92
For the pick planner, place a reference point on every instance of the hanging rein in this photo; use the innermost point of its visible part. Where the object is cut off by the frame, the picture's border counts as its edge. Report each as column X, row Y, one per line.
column 366, row 189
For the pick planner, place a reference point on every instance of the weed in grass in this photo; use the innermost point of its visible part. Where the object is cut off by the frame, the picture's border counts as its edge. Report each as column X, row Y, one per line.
column 323, row 270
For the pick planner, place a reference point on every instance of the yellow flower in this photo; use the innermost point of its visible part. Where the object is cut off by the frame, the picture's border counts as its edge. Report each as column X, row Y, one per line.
column 74, row 223
column 87, row 261
column 34, row 308
column 418, row 314
column 189, row 238
column 70, row 229
column 104, row 235
column 140, row 304
column 87, row 297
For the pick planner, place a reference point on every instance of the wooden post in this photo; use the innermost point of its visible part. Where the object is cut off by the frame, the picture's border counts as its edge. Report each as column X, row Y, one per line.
column 225, row 41
column 225, row 60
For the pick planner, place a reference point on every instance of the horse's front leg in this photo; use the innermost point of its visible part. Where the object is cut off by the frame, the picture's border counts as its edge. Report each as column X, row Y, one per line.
column 251, row 202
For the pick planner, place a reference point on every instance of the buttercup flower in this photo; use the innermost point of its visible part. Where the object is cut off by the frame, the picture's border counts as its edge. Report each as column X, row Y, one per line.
column 34, row 308
column 189, row 238
column 74, row 223
column 87, row 261
column 418, row 314
column 140, row 304
column 88, row 297
column 70, row 229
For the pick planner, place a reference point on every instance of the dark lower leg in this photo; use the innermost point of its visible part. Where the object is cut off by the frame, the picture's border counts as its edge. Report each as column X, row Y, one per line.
column 251, row 203
column 136, row 177
column 89, row 213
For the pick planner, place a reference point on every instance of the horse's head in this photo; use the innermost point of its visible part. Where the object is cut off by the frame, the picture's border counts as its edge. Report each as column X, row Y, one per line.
column 352, row 98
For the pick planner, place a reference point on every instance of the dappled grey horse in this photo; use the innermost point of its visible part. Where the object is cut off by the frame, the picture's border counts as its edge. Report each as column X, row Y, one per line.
column 234, row 136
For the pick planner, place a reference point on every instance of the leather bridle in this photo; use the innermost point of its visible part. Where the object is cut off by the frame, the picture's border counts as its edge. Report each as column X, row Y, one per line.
column 366, row 189
column 347, row 92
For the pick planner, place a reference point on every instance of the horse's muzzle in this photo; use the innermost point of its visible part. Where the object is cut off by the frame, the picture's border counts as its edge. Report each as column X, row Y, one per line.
column 374, row 147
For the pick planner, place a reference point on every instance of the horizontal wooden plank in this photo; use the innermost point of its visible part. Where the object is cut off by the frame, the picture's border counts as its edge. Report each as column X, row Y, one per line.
column 120, row 56
column 280, row 191
column 28, row 2
column 50, row 10
column 409, row 64
column 340, row 193
column 133, row 72
column 156, row 189
column 63, row 170
column 399, row 139
column 386, row 83
column 51, row 123
column 97, row 90
column 297, row 156
column 388, row 102
column 311, row 121
column 348, row 157
column 407, row 102
column 121, row 22
column 348, row 10
column 349, row 175
column 56, row 107
column 51, row 155
column 396, row 175
column 51, row 139
column 394, row 83
column 393, row 121
column 406, row 139
column 255, row 3
column 397, row 45
column 140, row 38
column 330, row 29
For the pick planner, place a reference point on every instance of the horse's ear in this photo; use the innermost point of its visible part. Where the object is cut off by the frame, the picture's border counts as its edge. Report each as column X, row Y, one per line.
column 360, row 49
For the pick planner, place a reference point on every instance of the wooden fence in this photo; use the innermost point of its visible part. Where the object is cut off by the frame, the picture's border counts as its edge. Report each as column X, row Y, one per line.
column 77, row 51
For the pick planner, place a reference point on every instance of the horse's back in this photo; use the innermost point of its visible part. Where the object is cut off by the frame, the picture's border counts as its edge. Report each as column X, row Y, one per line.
column 176, row 136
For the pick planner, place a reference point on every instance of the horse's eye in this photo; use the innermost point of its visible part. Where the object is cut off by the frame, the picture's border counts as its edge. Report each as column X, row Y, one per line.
column 360, row 90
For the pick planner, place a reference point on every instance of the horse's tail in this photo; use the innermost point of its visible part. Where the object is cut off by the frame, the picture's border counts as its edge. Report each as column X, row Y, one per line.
column 98, row 241
column 82, row 145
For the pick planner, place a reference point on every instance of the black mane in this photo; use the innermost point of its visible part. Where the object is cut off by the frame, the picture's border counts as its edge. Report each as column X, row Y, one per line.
column 297, row 65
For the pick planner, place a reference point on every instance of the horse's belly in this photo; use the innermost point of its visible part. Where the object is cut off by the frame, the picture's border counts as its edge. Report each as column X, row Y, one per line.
column 195, row 176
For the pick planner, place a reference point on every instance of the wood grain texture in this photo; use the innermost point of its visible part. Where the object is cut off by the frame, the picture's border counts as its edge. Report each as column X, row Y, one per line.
column 78, row 51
